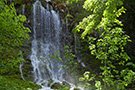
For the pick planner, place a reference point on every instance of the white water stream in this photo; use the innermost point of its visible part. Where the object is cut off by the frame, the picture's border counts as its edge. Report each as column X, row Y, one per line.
column 77, row 52
column 46, row 33
column 21, row 64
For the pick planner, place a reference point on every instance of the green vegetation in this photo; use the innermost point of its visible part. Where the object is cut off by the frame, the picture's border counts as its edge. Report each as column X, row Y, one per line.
column 9, row 83
column 12, row 35
column 71, row 64
column 108, row 43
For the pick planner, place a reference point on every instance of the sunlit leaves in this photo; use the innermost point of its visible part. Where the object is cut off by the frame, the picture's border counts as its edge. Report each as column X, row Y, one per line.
column 94, row 5
column 86, row 78
column 108, row 45
column 120, row 11
column 98, row 85
column 11, row 26
column 130, row 64
column 22, row 18
column 12, row 36
column 71, row 1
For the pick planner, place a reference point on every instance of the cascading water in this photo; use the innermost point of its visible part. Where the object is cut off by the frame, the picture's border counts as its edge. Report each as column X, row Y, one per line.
column 46, row 33
column 77, row 53
column 21, row 64
column 20, row 67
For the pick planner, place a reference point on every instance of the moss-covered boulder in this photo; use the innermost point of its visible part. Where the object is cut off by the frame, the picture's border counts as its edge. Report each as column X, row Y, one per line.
column 60, row 86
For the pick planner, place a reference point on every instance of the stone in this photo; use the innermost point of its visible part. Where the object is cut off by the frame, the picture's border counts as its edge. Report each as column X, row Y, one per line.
column 56, row 85
column 76, row 88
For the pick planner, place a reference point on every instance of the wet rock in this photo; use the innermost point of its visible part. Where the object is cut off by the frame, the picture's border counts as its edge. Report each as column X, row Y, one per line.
column 55, row 2
column 56, row 85
column 62, row 7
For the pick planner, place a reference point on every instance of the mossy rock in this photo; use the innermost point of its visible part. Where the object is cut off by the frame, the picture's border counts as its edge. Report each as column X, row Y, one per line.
column 56, row 85
column 59, row 86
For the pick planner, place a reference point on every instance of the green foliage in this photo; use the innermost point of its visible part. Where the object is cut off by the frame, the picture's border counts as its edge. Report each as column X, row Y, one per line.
column 12, row 35
column 71, row 1
column 62, row 88
column 87, row 78
column 69, row 16
column 130, row 64
column 107, row 41
column 71, row 64
column 8, row 83
column 68, row 60
column 98, row 85
column 53, row 58
column 11, row 66
column 56, row 57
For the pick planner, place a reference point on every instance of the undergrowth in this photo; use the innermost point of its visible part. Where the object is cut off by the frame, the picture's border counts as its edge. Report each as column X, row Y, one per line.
column 10, row 83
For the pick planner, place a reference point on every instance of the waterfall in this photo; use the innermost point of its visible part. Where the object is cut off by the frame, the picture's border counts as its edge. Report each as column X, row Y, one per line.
column 46, row 34
column 20, row 67
column 21, row 64
column 23, row 9
column 77, row 52
column 48, row 0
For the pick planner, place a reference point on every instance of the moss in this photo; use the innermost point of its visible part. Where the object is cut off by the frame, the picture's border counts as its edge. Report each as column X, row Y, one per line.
column 11, row 83
column 63, row 88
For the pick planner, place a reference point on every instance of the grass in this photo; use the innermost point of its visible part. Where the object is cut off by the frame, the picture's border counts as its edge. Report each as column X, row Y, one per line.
column 11, row 83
